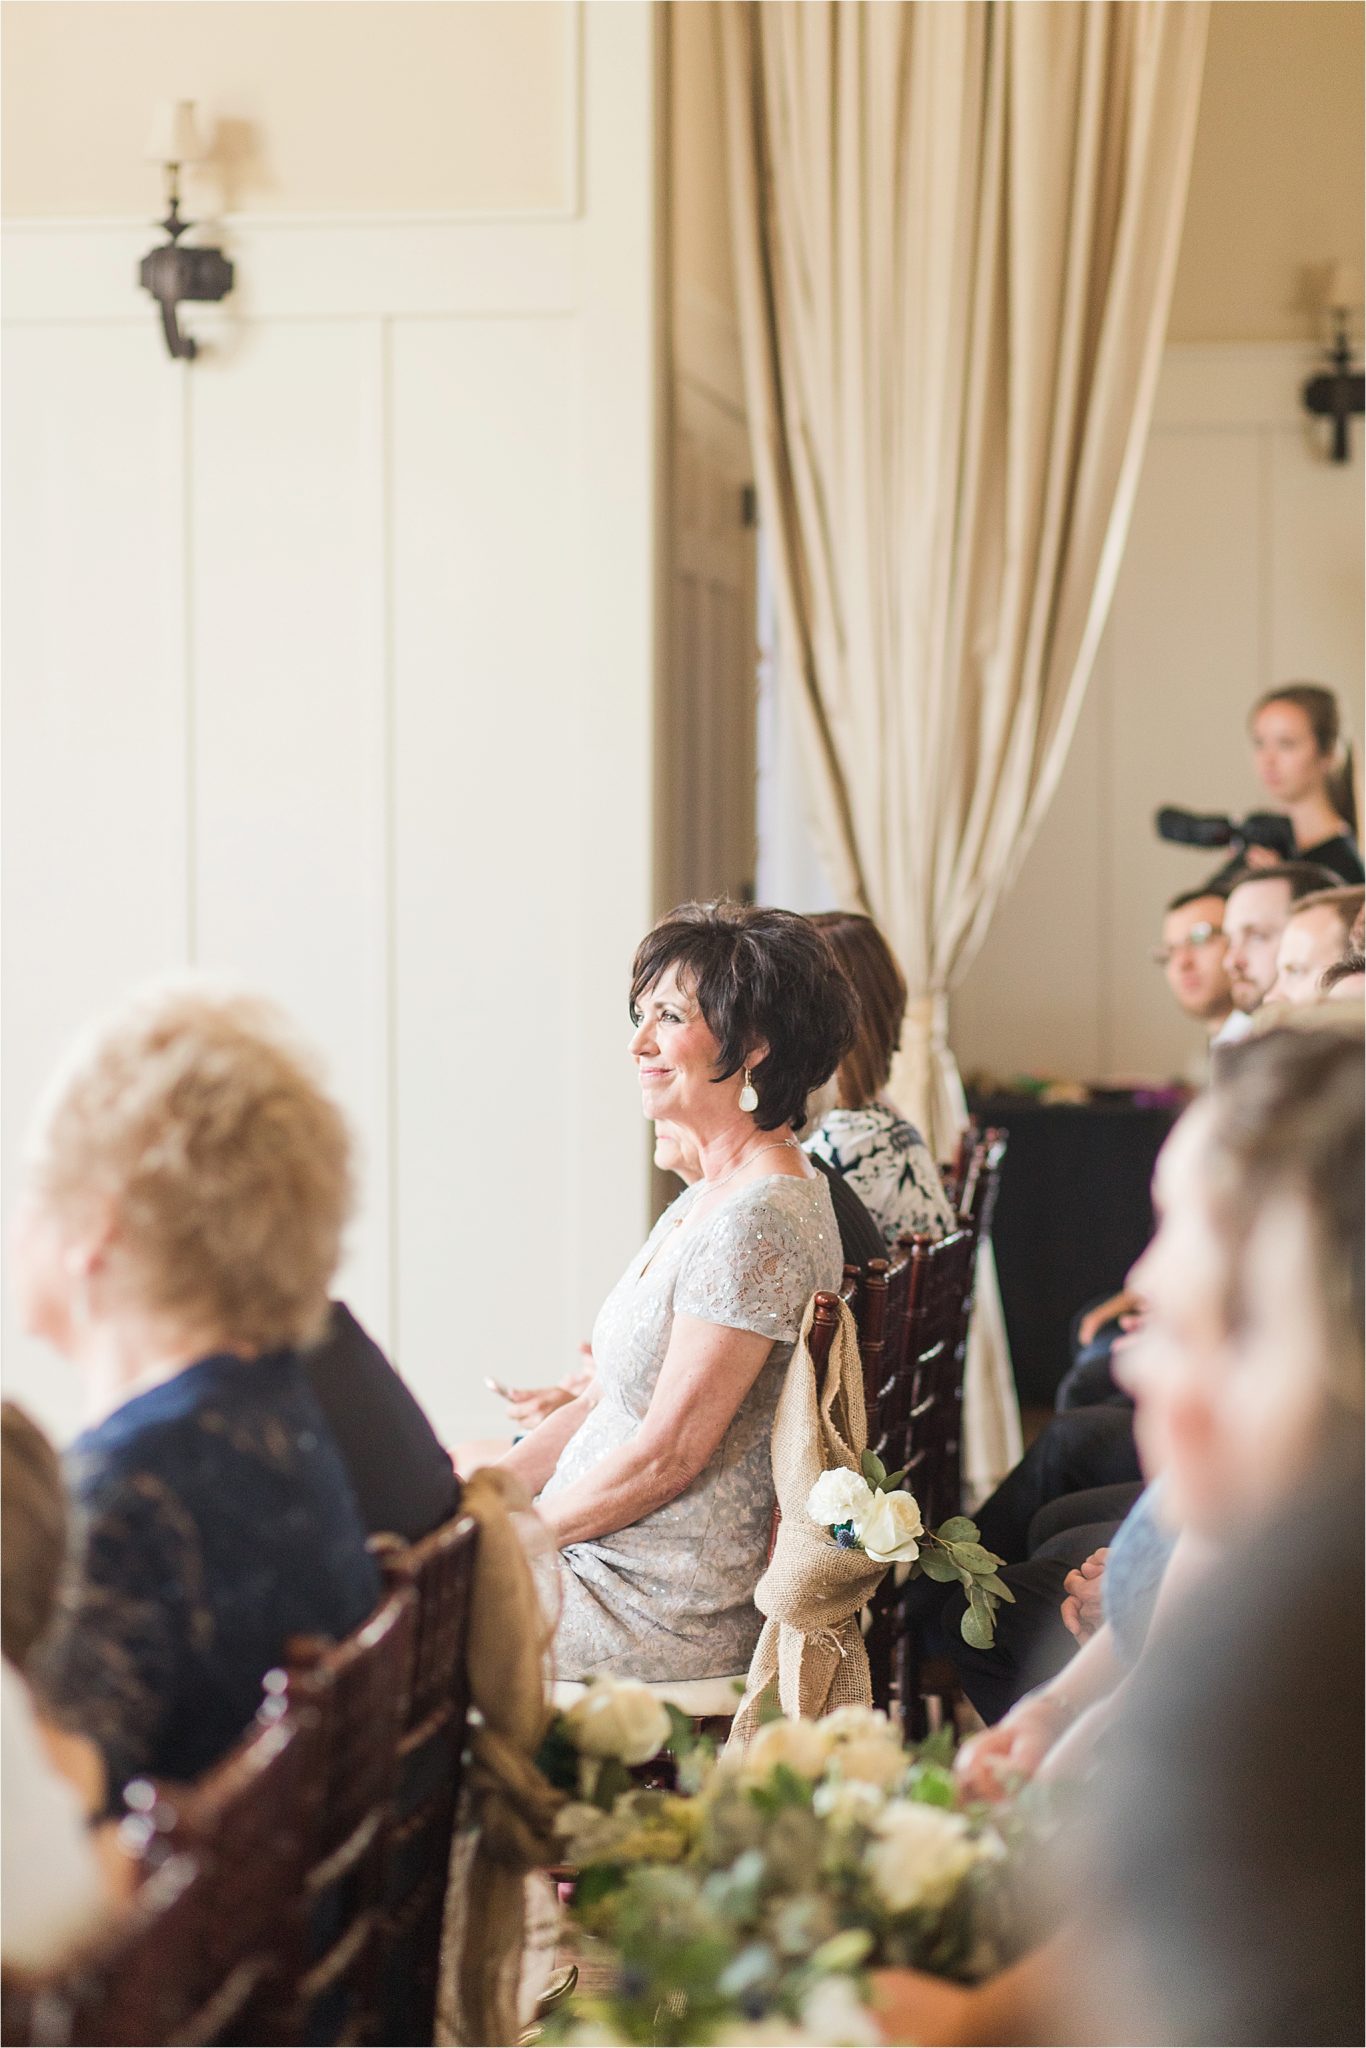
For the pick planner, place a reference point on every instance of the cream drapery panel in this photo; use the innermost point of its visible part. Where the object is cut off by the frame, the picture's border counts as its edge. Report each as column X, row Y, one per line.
column 956, row 228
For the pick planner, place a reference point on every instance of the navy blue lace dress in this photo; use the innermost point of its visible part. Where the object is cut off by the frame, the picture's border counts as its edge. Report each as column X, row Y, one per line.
column 215, row 1519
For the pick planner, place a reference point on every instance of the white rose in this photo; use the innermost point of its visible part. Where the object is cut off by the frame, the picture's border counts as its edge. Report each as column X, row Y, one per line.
column 856, row 1724
column 922, row 1856
column 618, row 1717
column 798, row 1744
column 872, row 1761
column 848, row 1805
column 838, row 1496
column 834, row 2013
column 889, row 1529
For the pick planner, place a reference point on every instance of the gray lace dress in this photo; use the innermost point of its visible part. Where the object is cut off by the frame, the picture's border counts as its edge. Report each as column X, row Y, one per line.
column 673, row 1595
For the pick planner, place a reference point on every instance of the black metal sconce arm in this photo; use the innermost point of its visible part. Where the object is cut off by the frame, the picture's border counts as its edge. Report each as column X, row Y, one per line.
column 1338, row 394
column 174, row 273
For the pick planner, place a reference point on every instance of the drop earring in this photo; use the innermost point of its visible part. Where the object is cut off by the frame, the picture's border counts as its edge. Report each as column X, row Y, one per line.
column 749, row 1094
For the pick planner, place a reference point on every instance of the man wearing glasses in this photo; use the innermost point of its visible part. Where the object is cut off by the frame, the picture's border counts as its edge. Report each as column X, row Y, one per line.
column 1191, row 956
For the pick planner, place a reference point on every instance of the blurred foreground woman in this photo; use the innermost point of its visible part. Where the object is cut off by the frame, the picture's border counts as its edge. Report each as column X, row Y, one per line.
column 188, row 1184
column 1217, row 1881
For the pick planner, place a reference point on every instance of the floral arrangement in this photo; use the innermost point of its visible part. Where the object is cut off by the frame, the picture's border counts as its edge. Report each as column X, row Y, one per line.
column 871, row 1511
column 748, row 1908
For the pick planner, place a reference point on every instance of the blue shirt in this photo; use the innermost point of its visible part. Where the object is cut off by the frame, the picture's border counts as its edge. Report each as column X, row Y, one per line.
column 1140, row 1551
column 216, row 1520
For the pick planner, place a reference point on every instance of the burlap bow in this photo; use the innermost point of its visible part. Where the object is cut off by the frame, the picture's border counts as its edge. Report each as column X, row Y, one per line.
column 511, row 1808
column 813, row 1590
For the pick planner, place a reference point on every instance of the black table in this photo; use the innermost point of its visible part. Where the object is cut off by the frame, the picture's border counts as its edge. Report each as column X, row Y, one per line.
column 1074, row 1212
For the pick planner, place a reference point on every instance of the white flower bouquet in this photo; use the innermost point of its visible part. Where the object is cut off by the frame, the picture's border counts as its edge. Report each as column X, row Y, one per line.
column 751, row 1910
column 871, row 1511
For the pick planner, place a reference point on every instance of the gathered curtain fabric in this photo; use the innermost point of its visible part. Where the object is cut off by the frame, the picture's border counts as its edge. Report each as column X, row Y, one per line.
column 956, row 227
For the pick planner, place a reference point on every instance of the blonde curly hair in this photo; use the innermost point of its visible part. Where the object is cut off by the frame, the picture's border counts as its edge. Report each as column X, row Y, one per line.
column 194, row 1117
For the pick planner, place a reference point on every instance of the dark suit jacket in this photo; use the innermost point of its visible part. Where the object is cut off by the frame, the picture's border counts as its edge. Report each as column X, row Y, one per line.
column 859, row 1235
column 402, row 1478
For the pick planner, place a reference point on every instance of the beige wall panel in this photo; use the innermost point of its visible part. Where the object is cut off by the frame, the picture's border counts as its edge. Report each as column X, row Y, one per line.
column 1031, row 1002
column 288, row 661
column 490, row 881
column 311, row 106
column 94, row 728
column 1185, row 641
column 1276, row 181
column 1315, row 548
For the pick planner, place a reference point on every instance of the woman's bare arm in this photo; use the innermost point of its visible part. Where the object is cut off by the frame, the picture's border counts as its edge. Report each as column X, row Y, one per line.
column 536, row 1456
column 706, row 1374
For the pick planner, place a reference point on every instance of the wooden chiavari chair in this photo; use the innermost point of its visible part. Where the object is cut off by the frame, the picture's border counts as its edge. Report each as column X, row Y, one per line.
column 359, row 1690
column 431, row 1757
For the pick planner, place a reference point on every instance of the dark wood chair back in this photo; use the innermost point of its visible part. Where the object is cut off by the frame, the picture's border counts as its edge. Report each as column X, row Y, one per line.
column 211, row 1948
column 249, row 1821
column 148, row 1981
column 359, row 1691
column 431, row 1752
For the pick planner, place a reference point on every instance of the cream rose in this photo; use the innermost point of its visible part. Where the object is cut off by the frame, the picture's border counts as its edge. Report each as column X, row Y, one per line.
column 839, row 1496
column 856, row 1724
column 857, row 1804
column 798, row 1744
column 871, row 1761
column 922, row 1856
column 889, row 1529
column 621, row 1718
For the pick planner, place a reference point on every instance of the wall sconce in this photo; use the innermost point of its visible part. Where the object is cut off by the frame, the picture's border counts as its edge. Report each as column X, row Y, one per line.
column 1339, row 393
column 173, row 273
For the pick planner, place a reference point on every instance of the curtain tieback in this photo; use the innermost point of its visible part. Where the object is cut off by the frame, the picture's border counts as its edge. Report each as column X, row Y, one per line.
column 927, row 1018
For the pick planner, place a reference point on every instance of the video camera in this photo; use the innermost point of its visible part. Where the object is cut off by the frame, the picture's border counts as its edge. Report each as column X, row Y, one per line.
column 1258, row 828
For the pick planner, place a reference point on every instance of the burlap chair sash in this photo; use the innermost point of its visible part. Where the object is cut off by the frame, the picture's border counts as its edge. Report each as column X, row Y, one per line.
column 510, row 1815
column 813, row 1591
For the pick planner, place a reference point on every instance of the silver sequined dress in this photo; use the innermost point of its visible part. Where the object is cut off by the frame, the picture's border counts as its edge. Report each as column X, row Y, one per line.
column 673, row 1595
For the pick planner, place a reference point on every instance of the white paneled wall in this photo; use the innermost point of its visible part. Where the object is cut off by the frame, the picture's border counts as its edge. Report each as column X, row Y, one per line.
column 1243, row 569
column 328, row 667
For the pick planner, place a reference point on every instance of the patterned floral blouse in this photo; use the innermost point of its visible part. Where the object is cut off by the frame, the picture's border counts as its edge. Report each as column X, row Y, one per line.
column 888, row 1165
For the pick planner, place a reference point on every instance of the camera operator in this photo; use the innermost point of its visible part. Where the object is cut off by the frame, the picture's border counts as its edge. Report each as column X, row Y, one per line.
column 1305, row 767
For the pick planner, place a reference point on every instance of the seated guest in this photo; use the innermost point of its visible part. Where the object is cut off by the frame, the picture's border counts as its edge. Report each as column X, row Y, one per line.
column 739, row 1014
column 1305, row 767
column 1345, row 980
column 1191, row 955
column 187, row 1189
column 860, row 1134
column 1314, row 937
column 1256, row 914
column 402, row 1477
column 55, row 1889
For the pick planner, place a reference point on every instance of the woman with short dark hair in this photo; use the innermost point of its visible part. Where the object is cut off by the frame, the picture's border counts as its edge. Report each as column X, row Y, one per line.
column 656, row 1481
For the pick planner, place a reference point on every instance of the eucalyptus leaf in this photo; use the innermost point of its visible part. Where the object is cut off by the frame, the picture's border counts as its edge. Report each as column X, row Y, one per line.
column 974, row 1557
column 976, row 1628
column 958, row 1529
column 994, row 1583
column 938, row 1566
column 874, row 1471
column 894, row 1479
